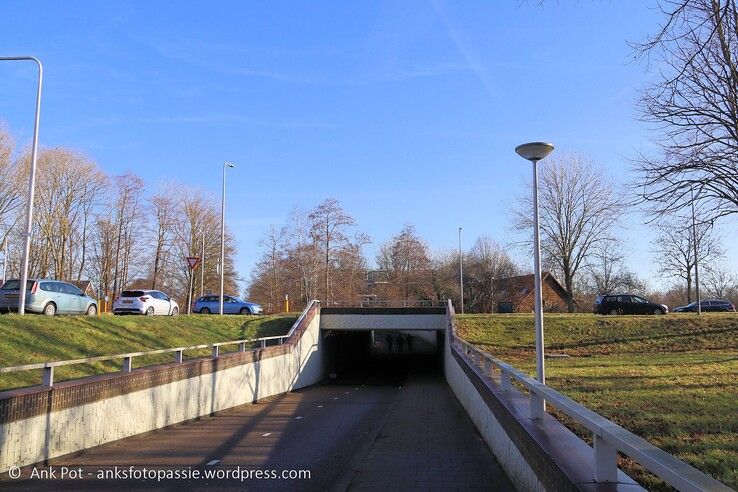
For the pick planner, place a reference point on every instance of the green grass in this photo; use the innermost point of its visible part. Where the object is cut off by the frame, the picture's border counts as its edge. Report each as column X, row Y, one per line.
column 672, row 380
column 34, row 338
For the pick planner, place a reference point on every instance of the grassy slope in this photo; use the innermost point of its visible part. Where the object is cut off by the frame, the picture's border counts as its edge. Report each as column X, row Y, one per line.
column 670, row 379
column 30, row 339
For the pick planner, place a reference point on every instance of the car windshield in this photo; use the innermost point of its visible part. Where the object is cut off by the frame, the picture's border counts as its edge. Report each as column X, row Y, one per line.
column 14, row 284
column 132, row 293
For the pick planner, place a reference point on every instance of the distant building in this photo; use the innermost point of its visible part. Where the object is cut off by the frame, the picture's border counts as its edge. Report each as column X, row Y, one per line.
column 515, row 294
column 87, row 287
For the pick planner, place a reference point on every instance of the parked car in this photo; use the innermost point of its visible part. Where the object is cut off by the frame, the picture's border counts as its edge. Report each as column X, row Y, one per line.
column 49, row 297
column 148, row 302
column 711, row 305
column 627, row 304
column 231, row 305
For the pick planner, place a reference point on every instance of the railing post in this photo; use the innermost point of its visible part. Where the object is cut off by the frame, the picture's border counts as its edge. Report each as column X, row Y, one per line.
column 242, row 347
column 504, row 380
column 127, row 364
column 48, row 376
column 606, row 460
column 216, row 351
column 178, row 356
column 280, row 341
column 263, row 343
column 487, row 364
column 537, row 405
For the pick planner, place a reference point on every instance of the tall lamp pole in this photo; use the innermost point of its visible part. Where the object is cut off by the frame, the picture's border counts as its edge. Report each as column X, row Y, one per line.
column 461, row 273
column 31, row 182
column 696, row 261
column 534, row 152
column 202, row 268
column 222, row 236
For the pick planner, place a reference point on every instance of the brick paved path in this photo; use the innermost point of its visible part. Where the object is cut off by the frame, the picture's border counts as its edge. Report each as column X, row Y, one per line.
column 428, row 443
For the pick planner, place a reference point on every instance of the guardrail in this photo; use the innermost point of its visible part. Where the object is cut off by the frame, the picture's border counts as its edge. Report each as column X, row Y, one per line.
column 608, row 437
column 47, row 378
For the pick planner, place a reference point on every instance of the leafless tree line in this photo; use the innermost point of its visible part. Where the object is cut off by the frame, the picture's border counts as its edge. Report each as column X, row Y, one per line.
column 107, row 229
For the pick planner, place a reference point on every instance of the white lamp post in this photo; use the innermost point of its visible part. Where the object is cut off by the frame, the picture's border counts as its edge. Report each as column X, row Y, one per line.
column 31, row 183
column 461, row 273
column 534, row 152
column 222, row 237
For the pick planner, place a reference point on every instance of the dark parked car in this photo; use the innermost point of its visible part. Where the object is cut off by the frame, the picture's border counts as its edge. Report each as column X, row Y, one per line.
column 627, row 304
column 712, row 305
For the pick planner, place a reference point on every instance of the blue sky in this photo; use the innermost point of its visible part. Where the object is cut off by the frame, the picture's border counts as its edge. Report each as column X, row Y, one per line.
column 404, row 111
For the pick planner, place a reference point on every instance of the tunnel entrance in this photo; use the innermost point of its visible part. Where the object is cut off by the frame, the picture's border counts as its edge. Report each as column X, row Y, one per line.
column 382, row 357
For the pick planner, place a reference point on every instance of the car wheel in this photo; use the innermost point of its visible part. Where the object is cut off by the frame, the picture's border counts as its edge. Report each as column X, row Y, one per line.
column 175, row 312
column 92, row 310
column 614, row 312
column 150, row 311
column 50, row 309
column 245, row 311
column 658, row 311
column 204, row 311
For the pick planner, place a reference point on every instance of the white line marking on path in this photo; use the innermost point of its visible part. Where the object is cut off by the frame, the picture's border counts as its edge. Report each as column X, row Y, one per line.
column 212, row 462
column 266, row 434
column 320, row 406
column 298, row 417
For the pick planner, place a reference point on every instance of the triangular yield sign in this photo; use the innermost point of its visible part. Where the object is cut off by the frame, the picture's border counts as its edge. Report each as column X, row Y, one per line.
column 193, row 261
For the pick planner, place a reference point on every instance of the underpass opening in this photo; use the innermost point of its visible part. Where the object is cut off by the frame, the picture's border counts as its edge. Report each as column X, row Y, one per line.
column 382, row 357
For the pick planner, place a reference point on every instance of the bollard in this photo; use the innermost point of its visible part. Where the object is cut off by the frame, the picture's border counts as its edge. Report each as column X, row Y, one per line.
column 178, row 356
column 216, row 351
column 127, row 364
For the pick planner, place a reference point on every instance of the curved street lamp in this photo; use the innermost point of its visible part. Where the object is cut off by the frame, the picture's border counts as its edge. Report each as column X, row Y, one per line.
column 31, row 182
column 534, row 152
column 222, row 237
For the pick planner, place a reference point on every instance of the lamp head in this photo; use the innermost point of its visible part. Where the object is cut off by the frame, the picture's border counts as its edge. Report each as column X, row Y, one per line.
column 230, row 164
column 534, row 151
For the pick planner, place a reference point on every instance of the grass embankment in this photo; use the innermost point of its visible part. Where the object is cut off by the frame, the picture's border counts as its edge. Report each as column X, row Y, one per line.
column 672, row 380
column 34, row 338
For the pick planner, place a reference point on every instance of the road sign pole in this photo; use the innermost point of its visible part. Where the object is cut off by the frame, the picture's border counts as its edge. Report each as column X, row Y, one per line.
column 189, row 293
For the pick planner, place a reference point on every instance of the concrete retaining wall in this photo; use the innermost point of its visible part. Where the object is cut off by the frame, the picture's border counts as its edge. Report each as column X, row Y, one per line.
column 390, row 319
column 489, row 426
column 217, row 384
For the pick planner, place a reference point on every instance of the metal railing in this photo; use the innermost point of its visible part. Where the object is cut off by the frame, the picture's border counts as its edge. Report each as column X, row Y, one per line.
column 47, row 378
column 608, row 437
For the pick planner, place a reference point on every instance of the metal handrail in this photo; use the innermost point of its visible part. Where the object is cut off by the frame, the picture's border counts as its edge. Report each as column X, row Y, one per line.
column 127, row 358
column 608, row 437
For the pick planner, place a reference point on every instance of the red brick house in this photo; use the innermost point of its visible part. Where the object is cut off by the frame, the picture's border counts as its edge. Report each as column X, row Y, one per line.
column 515, row 294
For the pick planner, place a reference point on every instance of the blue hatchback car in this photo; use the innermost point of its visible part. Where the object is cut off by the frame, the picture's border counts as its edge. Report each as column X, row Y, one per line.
column 231, row 305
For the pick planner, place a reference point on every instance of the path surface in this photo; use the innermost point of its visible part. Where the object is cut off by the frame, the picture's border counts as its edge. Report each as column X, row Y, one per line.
column 409, row 432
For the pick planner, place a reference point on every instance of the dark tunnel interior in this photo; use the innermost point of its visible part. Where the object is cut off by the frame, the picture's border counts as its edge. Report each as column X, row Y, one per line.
column 382, row 358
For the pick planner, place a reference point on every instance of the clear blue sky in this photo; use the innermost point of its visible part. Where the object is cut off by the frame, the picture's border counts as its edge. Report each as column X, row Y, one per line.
column 404, row 111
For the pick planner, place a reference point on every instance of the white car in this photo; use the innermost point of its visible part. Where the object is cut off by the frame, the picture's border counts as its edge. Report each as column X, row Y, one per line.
column 148, row 302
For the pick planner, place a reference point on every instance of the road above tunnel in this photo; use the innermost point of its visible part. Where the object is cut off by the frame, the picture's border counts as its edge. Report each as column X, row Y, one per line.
column 360, row 433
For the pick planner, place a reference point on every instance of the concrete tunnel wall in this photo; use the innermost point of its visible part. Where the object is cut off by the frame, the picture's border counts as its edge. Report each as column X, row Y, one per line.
column 37, row 424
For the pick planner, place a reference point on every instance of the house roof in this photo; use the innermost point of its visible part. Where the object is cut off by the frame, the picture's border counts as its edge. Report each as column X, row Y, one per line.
column 517, row 289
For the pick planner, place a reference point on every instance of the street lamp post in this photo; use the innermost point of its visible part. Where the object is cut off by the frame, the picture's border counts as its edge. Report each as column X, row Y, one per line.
column 461, row 273
column 31, row 182
column 222, row 237
column 534, row 152
column 202, row 268
column 696, row 261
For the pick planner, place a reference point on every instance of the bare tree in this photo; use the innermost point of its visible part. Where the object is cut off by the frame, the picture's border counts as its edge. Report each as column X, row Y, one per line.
column 579, row 208
column 721, row 284
column 330, row 225
column 485, row 263
column 129, row 188
column 163, row 206
column 693, row 103
column 675, row 252
column 406, row 258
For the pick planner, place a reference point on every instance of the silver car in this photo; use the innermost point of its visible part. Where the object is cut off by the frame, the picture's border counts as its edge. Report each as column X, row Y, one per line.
column 49, row 297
